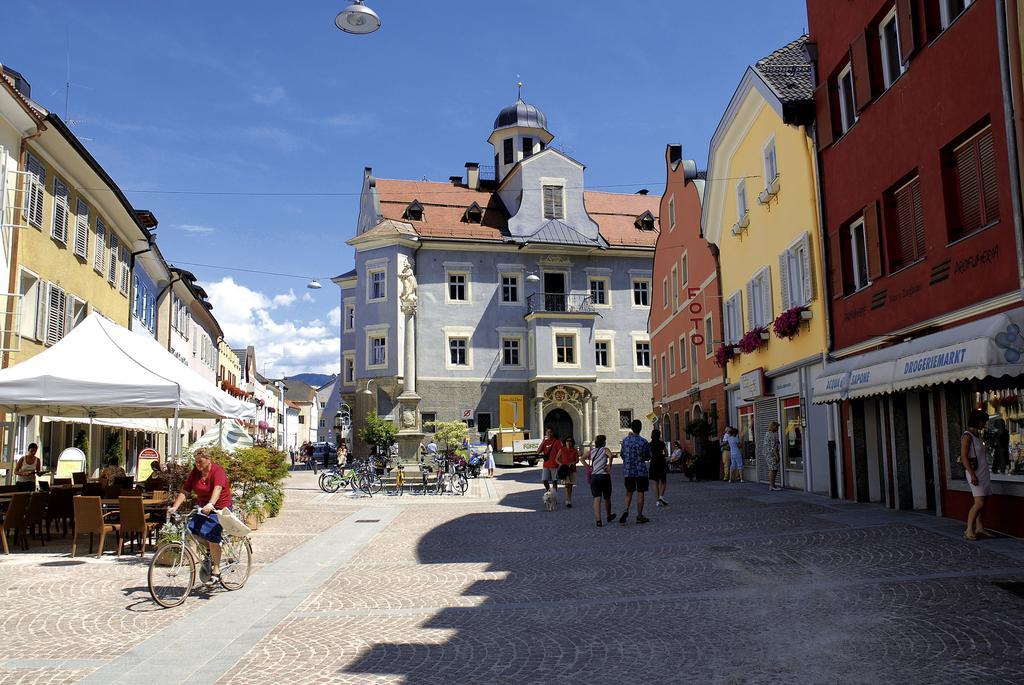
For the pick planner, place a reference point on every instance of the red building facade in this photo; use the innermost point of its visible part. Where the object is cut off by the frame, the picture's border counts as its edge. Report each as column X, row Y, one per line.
column 685, row 320
column 922, row 231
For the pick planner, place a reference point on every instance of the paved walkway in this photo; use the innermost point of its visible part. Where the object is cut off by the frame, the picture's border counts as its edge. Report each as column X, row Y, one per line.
column 730, row 584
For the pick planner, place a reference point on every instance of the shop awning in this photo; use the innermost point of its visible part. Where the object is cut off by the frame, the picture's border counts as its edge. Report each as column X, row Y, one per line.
column 848, row 381
column 987, row 348
column 144, row 425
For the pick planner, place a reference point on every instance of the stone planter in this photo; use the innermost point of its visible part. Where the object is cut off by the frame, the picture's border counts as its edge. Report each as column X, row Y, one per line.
column 805, row 314
column 765, row 335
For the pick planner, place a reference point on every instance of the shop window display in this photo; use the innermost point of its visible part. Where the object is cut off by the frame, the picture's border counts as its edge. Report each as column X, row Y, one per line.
column 792, row 438
column 746, row 430
column 1004, row 435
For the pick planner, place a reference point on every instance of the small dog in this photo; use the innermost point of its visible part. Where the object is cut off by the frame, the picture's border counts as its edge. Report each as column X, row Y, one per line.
column 549, row 500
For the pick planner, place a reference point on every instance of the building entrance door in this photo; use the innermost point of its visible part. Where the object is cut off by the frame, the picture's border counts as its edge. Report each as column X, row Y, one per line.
column 559, row 421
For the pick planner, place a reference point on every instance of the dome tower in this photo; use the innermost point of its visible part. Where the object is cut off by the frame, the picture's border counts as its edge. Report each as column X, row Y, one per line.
column 520, row 130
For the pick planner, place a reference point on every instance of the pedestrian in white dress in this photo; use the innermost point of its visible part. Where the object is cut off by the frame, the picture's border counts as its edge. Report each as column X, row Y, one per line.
column 974, row 459
column 489, row 461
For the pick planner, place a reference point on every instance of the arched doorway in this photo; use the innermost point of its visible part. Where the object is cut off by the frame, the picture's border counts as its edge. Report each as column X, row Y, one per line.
column 560, row 421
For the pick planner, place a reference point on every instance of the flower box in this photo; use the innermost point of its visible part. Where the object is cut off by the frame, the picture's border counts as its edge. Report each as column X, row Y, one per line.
column 724, row 354
column 787, row 325
column 805, row 314
column 753, row 340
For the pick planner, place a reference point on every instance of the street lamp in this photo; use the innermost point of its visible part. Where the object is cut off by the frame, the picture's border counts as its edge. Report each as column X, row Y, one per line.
column 314, row 285
column 357, row 18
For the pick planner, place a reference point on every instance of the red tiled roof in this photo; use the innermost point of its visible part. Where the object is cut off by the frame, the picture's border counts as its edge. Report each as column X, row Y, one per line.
column 444, row 205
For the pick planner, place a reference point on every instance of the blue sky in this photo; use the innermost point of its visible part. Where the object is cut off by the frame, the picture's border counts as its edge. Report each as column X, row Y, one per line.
column 268, row 97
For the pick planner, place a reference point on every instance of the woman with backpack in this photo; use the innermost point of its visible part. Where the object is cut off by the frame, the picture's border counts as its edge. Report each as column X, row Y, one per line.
column 599, row 469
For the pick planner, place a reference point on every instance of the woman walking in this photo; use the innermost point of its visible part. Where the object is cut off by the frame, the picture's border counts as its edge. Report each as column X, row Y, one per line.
column 726, row 457
column 770, row 453
column 568, row 457
column 658, row 468
column 599, row 462
column 735, row 455
column 974, row 459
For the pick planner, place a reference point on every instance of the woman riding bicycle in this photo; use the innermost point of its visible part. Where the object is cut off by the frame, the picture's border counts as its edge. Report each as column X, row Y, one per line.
column 213, row 492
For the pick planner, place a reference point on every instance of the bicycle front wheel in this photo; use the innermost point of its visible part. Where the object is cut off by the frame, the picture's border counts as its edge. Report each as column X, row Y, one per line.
column 235, row 562
column 460, row 483
column 172, row 574
column 331, row 482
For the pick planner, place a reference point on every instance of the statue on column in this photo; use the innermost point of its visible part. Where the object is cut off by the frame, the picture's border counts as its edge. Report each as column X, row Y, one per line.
column 408, row 294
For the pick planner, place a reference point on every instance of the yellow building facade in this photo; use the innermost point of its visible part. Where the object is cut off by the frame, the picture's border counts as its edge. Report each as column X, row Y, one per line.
column 761, row 211
column 229, row 369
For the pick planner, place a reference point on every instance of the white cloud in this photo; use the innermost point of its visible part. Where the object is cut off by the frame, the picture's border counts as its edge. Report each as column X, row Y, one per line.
column 196, row 229
column 269, row 96
column 334, row 316
column 284, row 299
column 283, row 347
column 279, row 138
column 306, row 297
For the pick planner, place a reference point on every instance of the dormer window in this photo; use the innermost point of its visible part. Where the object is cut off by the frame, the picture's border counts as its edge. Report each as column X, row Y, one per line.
column 414, row 212
column 645, row 222
column 473, row 214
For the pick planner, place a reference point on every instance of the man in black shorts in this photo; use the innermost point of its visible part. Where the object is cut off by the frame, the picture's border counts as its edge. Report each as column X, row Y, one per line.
column 599, row 461
column 636, row 452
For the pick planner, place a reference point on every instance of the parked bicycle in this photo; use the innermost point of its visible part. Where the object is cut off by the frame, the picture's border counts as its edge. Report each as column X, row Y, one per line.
column 451, row 474
column 174, row 567
column 360, row 476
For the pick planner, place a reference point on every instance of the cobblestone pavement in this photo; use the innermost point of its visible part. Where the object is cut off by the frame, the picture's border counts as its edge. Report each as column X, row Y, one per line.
column 730, row 584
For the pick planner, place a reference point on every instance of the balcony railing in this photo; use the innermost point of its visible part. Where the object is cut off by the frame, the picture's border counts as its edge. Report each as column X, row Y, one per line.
column 559, row 302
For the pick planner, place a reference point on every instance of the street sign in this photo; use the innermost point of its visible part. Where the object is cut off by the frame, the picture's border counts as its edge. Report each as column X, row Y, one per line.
column 467, row 414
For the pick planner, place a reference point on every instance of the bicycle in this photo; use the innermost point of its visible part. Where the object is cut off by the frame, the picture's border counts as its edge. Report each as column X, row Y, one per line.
column 450, row 477
column 172, row 571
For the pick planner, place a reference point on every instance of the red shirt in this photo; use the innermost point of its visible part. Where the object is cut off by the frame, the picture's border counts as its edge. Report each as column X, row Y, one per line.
column 550, row 448
column 568, row 455
column 203, row 487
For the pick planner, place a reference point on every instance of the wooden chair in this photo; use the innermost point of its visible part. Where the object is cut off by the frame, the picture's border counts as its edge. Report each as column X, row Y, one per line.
column 89, row 519
column 14, row 519
column 57, row 482
column 134, row 524
column 36, row 516
column 61, row 510
column 78, row 478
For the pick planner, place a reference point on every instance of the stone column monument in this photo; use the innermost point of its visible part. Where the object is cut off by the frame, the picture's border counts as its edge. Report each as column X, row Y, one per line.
column 410, row 432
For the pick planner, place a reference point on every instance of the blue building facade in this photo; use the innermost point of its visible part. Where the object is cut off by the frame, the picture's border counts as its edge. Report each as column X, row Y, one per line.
column 530, row 294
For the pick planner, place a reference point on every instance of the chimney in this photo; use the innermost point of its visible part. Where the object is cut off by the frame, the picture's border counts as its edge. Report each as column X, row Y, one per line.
column 456, row 180
column 473, row 175
column 20, row 83
column 675, row 155
column 643, row 191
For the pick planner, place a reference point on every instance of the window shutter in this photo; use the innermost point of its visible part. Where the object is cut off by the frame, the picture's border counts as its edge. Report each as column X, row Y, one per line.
column 125, row 271
column 82, row 230
column 966, row 160
column 861, row 71
column 35, row 191
column 806, row 272
column 751, row 313
column 905, row 238
column 767, row 307
column 907, row 25
column 42, row 306
column 989, row 184
column 98, row 260
column 823, row 115
column 55, row 315
column 112, row 267
column 60, row 211
column 784, row 276
column 872, row 240
column 835, row 266
column 557, row 205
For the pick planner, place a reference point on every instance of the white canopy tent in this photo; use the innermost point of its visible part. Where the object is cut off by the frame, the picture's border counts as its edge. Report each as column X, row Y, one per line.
column 101, row 369
column 228, row 435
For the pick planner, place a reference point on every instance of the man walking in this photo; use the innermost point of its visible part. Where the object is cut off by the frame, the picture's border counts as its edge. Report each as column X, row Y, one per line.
column 550, row 448
column 636, row 452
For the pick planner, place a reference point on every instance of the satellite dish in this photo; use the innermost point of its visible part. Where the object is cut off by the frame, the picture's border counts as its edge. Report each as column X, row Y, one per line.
column 357, row 18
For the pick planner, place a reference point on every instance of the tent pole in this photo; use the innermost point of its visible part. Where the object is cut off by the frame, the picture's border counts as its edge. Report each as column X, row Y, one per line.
column 10, row 448
column 174, row 436
column 220, row 433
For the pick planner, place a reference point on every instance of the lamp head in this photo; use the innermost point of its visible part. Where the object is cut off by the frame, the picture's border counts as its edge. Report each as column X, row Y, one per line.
column 533, row 278
column 314, row 285
column 357, row 18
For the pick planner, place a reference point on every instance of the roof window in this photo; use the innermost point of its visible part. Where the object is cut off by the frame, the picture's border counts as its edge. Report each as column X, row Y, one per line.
column 473, row 214
column 645, row 222
column 414, row 212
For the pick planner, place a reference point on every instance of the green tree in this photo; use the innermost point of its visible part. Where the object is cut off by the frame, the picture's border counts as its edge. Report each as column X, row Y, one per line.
column 377, row 432
column 115, row 452
column 82, row 442
column 451, row 433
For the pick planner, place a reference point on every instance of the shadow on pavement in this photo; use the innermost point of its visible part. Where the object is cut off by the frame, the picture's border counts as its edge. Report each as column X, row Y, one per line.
column 724, row 585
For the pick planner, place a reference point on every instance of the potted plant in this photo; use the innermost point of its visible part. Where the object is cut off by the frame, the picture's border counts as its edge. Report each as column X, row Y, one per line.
column 787, row 326
column 724, row 354
column 753, row 340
